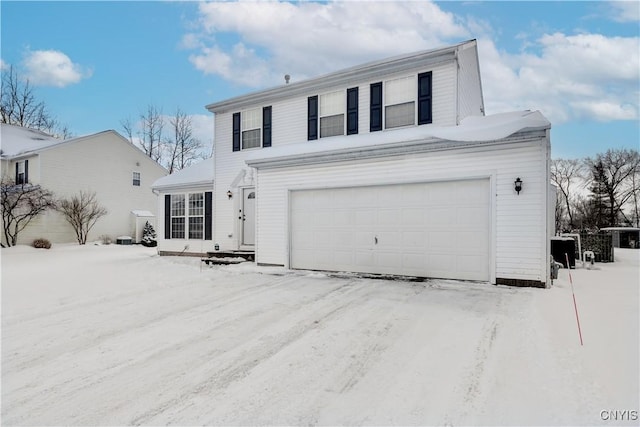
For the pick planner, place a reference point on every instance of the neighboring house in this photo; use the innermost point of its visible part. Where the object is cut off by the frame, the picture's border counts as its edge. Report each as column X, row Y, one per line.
column 105, row 163
column 390, row 168
column 185, row 208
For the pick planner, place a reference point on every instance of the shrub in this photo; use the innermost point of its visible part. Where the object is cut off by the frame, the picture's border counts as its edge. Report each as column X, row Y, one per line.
column 149, row 236
column 106, row 240
column 42, row 244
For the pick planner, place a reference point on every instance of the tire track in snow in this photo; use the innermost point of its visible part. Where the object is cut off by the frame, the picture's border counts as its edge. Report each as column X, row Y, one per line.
column 92, row 340
column 259, row 350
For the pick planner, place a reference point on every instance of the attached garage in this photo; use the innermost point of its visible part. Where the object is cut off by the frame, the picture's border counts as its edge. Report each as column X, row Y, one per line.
column 439, row 202
column 431, row 229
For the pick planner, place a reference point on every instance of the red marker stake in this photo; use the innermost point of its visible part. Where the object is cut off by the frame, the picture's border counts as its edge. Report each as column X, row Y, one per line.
column 575, row 306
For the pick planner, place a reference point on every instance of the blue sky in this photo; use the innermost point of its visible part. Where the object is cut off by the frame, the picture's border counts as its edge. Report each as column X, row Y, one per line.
column 97, row 63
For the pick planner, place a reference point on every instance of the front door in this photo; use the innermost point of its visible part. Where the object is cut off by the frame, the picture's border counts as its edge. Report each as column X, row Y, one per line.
column 249, row 216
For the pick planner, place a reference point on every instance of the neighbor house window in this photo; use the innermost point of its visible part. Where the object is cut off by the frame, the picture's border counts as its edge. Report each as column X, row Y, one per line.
column 188, row 216
column 332, row 108
column 400, row 102
column 251, row 128
column 22, row 172
column 177, row 216
column 196, row 215
column 136, row 179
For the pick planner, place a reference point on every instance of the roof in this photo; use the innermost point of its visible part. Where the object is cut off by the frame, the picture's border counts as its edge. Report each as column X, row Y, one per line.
column 16, row 140
column 473, row 129
column 200, row 174
column 360, row 72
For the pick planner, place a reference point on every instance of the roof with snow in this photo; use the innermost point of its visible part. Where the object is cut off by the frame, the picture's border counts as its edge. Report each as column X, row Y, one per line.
column 16, row 140
column 200, row 174
column 473, row 129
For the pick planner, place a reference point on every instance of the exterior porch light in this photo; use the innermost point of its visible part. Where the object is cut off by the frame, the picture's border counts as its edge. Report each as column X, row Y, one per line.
column 518, row 185
column 229, row 194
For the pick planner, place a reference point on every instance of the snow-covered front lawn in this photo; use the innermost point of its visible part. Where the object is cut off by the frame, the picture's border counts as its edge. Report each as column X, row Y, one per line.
column 116, row 335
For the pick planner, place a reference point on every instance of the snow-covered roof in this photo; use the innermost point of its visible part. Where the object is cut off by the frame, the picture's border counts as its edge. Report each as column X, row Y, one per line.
column 620, row 229
column 191, row 176
column 142, row 213
column 472, row 129
column 16, row 140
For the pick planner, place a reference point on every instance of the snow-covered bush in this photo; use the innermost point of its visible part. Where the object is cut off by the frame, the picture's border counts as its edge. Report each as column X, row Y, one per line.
column 149, row 235
column 42, row 244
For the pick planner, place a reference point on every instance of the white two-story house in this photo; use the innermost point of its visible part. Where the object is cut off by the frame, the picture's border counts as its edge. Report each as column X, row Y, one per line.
column 390, row 167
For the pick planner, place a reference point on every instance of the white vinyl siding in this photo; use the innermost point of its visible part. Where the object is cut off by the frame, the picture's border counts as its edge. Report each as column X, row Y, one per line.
column 518, row 221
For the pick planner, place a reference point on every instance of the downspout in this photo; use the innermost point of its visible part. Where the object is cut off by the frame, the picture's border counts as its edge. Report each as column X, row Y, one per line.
column 457, row 62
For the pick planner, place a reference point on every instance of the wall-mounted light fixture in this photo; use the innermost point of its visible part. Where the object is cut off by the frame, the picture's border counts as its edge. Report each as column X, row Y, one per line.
column 518, row 185
column 229, row 194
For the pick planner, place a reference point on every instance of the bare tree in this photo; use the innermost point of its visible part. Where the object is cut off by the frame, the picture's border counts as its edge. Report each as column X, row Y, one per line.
column 19, row 106
column 616, row 169
column 82, row 211
column 566, row 173
column 184, row 147
column 152, row 124
column 21, row 203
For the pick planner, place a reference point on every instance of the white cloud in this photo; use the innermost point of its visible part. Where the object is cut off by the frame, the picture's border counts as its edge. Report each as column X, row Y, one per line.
column 307, row 39
column 586, row 76
column 3, row 65
column 52, row 68
column 567, row 77
column 625, row 11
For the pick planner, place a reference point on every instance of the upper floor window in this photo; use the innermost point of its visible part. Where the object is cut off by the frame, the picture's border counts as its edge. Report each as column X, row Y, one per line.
column 252, row 128
column 327, row 114
column 399, row 102
column 332, row 114
column 136, row 179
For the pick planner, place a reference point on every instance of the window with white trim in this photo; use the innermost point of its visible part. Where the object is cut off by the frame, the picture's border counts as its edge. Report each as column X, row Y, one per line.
column 196, row 215
column 251, row 128
column 332, row 111
column 136, row 179
column 177, row 216
column 20, row 173
column 400, row 102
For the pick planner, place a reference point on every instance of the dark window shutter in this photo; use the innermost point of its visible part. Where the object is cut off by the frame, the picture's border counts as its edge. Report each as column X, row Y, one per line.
column 208, row 214
column 312, row 110
column 26, row 171
column 266, row 126
column 167, row 216
column 375, row 120
column 17, row 173
column 236, row 131
column 424, row 98
column 352, row 111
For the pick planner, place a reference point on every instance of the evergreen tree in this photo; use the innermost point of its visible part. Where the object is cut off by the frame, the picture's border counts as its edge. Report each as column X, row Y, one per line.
column 148, row 235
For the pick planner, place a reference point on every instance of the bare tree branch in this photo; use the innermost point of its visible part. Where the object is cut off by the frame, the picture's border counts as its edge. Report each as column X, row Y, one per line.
column 21, row 203
column 82, row 211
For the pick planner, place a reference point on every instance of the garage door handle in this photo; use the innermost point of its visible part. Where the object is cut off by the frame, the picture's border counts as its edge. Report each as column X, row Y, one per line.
column 375, row 239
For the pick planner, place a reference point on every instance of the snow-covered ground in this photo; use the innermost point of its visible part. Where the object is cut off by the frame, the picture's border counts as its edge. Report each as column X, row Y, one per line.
column 115, row 335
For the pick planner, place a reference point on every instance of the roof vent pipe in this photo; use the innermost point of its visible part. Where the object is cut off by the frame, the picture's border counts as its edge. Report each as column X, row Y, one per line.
column 287, row 77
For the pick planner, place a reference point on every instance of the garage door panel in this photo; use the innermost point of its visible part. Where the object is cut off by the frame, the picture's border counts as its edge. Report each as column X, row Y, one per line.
column 430, row 229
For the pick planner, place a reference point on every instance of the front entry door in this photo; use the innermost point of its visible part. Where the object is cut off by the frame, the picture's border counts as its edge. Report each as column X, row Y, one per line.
column 249, row 216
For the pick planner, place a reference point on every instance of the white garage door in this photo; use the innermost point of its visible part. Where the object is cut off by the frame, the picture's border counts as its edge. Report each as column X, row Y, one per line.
column 429, row 229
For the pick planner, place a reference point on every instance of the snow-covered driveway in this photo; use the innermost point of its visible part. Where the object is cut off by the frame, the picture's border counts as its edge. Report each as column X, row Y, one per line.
column 115, row 335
